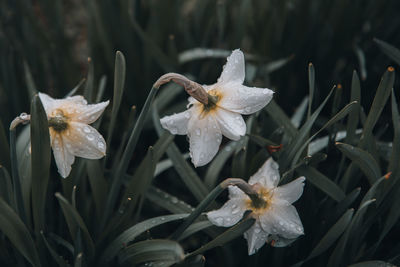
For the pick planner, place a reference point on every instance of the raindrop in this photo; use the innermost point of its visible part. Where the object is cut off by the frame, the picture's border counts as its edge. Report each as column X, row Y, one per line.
column 247, row 109
column 162, row 218
column 174, row 131
column 187, row 115
column 234, row 206
column 219, row 220
column 198, row 131
column 90, row 137
column 265, row 91
column 86, row 129
column 257, row 230
column 228, row 148
column 100, row 145
column 174, row 200
column 235, row 211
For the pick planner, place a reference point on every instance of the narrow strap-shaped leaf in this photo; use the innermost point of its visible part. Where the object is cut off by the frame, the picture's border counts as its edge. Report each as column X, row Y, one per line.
column 363, row 160
column 194, row 228
column 395, row 156
column 167, row 201
column 98, row 184
column 352, row 120
column 159, row 251
column 225, row 237
column 57, row 258
column 12, row 226
column 289, row 153
column 40, row 160
column 372, row 264
column 75, row 222
column 389, row 50
column 76, row 88
column 5, row 149
column 311, row 88
column 89, row 86
column 119, row 82
column 280, row 117
column 30, row 83
column 322, row 182
column 298, row 114
column 131, row 233
column 381, row 97
column 126, row 157
column 332, row 235
column 6, row 190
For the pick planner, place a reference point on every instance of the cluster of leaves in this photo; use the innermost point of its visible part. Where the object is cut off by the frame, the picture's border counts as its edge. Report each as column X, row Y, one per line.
column 129, row 209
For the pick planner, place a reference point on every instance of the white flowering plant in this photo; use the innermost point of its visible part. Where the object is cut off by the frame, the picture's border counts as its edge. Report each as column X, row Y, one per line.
column 235, row 157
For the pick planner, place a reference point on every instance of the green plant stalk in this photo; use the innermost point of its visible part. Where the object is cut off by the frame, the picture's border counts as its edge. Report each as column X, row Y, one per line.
column 127, row 155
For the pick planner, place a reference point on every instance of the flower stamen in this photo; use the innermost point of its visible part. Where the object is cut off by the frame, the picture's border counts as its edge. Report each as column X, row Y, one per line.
column 59, row 122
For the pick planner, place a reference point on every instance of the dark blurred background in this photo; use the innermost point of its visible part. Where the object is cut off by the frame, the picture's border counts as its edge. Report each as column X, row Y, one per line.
column 52, row 40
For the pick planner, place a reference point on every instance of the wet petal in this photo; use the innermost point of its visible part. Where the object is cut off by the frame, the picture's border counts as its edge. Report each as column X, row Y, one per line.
column 235, row 192
column 64, row 159
column 283, row 221
column 267, row 175
column 84, row 141
column 204, row 138
column 47, row 102
column 177, row 123
column 234, row 68
column 231, row 124
column 84, row 113
column 229, row 214
column 78, row 99
column 292, row 191
column 256, row 238
column 242, row 99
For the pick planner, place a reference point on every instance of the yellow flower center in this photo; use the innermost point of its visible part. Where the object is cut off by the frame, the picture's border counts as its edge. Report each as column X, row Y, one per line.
column 58, row 121
column 263, row 204
column 213, row 98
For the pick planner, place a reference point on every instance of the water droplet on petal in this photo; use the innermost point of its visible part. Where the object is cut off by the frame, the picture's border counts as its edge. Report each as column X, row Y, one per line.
column 235, row 211
column 198, row 131
column 219, row 220
column 247, row 109
column 86, row 129
column 100, row 145
column 90, row 137
column 187, row 115
column 257, row 230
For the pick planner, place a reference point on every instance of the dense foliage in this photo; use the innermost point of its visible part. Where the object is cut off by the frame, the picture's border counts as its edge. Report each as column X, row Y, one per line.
column 144, row 202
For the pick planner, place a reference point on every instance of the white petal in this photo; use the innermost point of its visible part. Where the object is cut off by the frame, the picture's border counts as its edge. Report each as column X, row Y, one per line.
column 84, row 141
column 229, row 214
column 234, row 68
column 47, row 102
column 85, row 113
column 204, row 138
column 78, row 99
column 242, row 99
column 177, row 123
column 290, row 192
column 256, row 238
column 283, row 221
column 267, row 175
column 235, row 192
column 231, row 124
column 64, row 159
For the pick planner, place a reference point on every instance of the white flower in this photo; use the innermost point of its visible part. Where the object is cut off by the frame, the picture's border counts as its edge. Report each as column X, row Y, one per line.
column 205, row 124
column 278, row 217
column 70, row 134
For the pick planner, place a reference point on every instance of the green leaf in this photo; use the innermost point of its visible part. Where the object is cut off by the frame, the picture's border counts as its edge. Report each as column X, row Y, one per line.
column 382, row 94
column 167, row 201
column 311, row 86
column 280, row 117
column 322, row 182
column 60, row 261
column 12, row 226
column 225, row 237
column 76, row 88
column 119, row 83
column 131, row 233
column 40, row 160
column 332, row 235
column 126, row 157
column 166, row 252
column 363, row 160
column 30, row 83
column 5, row 154
column 372, row 264
column 298, row 114
column 98, row 184
column 395, row 156
column 75, row 222
column 287, row 156
column 6, row 186
column 194, row 228
column 352, row 120
column 389, row 50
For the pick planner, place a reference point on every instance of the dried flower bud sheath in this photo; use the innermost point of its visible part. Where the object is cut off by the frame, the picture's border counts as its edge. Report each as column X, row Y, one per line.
column 192, row 88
